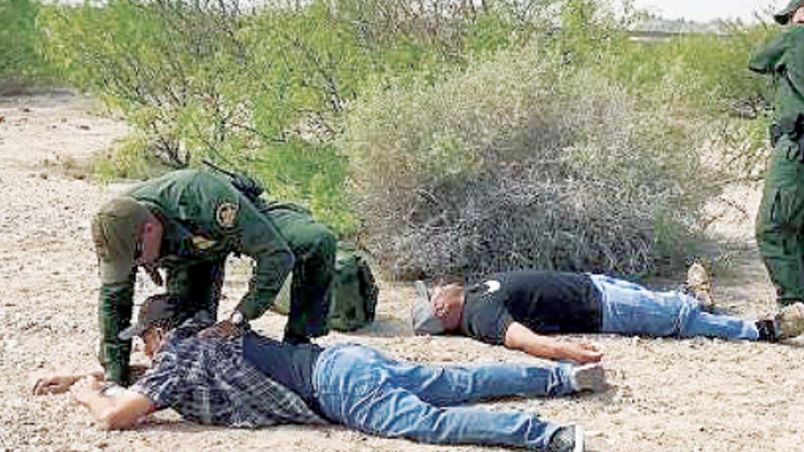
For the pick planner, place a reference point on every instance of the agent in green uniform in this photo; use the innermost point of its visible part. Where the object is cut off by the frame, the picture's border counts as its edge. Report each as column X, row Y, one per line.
column 187, row 222
column 780, row 222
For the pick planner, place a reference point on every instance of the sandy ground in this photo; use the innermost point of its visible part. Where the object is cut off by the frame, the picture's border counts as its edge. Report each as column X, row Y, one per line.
column 667, row 395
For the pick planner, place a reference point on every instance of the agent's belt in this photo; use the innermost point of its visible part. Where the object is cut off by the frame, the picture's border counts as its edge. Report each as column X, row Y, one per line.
column 793, row 127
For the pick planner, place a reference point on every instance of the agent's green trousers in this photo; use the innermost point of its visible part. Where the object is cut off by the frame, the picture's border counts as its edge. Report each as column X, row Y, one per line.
column 314, row 247
column 780, row 222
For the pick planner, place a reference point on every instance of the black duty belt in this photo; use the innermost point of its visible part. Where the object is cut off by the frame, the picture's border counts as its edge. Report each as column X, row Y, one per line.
column 794, row 129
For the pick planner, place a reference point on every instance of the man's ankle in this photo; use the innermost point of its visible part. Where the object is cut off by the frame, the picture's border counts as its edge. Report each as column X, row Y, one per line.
column 767, row 330
column 295, row 339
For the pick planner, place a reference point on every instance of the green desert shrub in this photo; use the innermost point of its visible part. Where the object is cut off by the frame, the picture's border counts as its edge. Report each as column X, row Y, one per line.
column 262, row 90
column 206, row 80
column 21, row 60
column 522, row 161
column 296, row 93
column 709, row 72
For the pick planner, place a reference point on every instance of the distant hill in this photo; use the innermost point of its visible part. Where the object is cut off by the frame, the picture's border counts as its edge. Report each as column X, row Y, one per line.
column 657, row 28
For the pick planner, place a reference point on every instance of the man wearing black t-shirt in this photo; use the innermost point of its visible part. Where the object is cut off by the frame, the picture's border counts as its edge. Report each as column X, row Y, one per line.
column 518, row 308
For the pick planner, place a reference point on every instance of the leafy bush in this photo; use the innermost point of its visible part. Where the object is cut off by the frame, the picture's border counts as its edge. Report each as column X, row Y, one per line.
column 522, row 161
column 197, row 82
column 456, row 119
column 263, row 90
column 21, row 61
column 709, row 73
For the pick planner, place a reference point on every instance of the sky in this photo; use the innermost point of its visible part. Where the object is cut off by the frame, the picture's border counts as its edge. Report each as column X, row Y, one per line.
column 706, row 10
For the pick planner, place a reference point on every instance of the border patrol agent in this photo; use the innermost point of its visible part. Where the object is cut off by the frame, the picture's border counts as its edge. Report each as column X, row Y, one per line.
column 780, row 222
column 187, row 222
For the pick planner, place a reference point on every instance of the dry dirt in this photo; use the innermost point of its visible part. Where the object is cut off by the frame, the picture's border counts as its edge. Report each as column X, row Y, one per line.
column 668, row 395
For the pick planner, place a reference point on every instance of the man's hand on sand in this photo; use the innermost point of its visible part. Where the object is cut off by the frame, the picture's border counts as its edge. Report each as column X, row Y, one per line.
column 85, row 388
column 582, row 352
column 222, row 330
column 53, row 384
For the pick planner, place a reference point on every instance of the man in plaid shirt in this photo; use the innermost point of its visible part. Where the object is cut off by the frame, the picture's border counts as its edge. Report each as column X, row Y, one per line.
column 252, row 381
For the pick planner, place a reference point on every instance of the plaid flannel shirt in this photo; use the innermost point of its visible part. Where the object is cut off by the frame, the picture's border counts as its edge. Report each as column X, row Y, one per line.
column 209, row 382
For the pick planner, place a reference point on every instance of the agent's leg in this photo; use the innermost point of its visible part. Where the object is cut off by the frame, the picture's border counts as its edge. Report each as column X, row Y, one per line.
column 314, row 247
column 198, row 287
column 115, row 307
column 357, row 387
column 780, row 221
column 629, row 308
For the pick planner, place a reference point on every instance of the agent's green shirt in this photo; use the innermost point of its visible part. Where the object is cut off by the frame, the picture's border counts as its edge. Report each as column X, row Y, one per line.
column 205, row 218
column 783, row 57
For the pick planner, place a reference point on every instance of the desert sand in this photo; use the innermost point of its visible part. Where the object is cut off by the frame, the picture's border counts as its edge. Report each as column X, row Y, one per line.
column 666, row 394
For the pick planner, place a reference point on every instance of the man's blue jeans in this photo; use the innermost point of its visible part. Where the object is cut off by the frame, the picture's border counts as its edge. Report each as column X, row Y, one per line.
column 362, row 389
column 629, row 308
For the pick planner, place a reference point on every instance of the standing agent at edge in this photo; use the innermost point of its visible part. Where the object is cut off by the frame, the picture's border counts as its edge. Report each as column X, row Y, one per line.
column 780, row 221
column 188, row 222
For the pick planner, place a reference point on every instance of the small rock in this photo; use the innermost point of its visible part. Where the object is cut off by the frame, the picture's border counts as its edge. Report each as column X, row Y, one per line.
column 25, row 109
column 83, row 127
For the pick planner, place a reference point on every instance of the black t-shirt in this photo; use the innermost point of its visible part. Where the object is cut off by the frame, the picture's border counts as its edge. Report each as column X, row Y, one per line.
column 545, row 302
column 289, row 365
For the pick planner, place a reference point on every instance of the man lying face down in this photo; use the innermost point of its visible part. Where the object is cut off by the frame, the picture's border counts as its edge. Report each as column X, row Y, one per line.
column 253, row 381
column 519, row 308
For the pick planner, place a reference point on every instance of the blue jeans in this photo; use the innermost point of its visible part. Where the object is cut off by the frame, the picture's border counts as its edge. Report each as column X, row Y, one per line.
column 629, row 308
column 362, row 389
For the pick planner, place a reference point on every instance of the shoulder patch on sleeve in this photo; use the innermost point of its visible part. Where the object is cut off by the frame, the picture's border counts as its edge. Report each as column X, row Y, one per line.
column 226, row 214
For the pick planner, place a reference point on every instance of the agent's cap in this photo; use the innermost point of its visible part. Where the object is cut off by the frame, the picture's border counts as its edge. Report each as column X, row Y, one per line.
column 783, row 16
column 114, row 231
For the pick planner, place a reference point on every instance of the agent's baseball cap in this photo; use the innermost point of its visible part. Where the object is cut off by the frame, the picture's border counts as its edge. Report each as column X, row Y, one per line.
column 156, row 309
column 422, row 313
column 783, row 16
column 114, row 231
